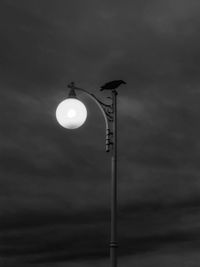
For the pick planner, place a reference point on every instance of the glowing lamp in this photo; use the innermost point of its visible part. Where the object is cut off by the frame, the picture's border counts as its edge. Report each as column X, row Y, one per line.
column 71, row 113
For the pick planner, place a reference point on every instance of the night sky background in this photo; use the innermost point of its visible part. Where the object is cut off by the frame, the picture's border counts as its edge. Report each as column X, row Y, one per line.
column 54, row 183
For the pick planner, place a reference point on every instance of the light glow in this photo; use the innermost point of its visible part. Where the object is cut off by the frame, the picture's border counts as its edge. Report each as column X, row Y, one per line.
column 71, row 113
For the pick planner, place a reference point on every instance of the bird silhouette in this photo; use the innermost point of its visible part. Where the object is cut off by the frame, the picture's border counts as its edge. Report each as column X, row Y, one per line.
column 112, row 85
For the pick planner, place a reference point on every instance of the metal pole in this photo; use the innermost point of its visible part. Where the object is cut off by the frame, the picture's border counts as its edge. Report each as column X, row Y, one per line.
column 113, row 201
column 113, row 240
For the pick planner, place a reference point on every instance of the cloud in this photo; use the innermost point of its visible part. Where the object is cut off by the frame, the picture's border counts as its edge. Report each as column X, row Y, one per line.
column 47, row 237
column 55, row 183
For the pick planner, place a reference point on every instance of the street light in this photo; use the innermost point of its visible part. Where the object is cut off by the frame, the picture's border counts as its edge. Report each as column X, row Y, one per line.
column 71, row 113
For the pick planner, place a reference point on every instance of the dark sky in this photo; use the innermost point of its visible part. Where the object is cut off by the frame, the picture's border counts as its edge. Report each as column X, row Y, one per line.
column 54, row 183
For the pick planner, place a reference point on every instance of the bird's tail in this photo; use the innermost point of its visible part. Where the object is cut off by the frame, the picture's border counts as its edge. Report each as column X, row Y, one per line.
column 101, row 89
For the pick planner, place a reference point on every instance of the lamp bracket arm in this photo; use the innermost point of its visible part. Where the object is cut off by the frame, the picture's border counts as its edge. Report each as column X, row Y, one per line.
column 106, row 109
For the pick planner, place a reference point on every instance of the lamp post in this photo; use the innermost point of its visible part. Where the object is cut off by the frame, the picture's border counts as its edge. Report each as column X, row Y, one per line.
column 71, row 113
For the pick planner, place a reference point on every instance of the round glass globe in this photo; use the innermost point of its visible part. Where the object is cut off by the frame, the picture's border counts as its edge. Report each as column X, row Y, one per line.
column 71, row 113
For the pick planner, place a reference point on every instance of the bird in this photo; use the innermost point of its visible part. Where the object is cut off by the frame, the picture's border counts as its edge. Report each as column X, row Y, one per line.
column 112, row 85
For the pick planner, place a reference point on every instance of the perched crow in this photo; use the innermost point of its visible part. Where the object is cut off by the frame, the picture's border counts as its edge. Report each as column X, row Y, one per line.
column 112, row 85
